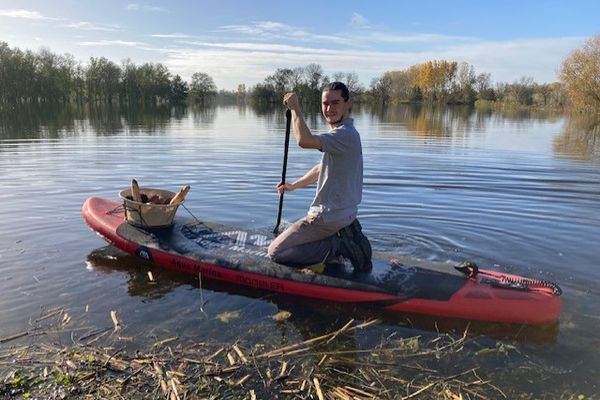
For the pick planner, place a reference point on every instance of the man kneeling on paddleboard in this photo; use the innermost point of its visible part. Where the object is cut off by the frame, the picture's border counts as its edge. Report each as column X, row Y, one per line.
column 330, row 229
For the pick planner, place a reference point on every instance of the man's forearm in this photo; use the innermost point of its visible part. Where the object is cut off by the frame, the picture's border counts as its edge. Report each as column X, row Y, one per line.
column 304, row 137
column 312, row 176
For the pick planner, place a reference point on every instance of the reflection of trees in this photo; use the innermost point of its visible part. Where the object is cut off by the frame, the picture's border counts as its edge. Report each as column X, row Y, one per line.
column 111, row 120
column 430, row 121
column 179, row 112
column 203, row 115
column 580, row 138
column 310, row 111
column 274, row 114
column 520, row 114
column 105, row 120
column 144, row 120
column 53, row 121
column 263, row 108
column 40, row 122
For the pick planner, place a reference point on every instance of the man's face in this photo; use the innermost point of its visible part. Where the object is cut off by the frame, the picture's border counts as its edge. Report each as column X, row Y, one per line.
column 333, row 106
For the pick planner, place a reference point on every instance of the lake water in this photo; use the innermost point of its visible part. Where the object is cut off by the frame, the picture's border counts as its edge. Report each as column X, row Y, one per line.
column 517, row 192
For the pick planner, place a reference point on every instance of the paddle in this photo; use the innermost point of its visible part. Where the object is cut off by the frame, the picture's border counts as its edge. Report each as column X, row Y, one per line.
column 288, row 122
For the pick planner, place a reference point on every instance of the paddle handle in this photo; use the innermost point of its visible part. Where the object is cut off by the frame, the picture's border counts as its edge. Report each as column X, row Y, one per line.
column 288, row 123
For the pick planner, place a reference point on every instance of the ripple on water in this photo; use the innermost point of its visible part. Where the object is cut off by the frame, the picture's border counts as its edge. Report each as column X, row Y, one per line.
column 441, row 187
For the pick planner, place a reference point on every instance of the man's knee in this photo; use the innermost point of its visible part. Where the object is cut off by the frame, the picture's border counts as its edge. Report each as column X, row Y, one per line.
column 283, row 256
column 273, row 251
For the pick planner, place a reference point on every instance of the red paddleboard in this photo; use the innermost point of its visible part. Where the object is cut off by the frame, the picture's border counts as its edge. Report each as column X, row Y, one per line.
column 239, row 256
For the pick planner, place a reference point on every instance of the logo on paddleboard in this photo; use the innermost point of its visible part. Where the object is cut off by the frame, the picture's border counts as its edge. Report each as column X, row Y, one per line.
column 144, row 252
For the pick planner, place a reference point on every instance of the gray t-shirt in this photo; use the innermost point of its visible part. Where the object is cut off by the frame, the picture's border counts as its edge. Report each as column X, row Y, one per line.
column 339, row 189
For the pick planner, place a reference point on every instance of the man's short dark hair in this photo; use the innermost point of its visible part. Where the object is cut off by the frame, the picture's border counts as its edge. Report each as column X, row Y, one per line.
column 338, row 86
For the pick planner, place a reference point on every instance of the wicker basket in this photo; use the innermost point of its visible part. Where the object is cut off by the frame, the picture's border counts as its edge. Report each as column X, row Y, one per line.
column 148, row 215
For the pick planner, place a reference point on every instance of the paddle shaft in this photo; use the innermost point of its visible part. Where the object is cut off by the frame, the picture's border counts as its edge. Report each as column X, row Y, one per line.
column 288, row 123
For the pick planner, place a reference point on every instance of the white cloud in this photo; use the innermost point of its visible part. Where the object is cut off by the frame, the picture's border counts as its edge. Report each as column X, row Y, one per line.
column 90, row 26
column 112, row 43
column 260, row 47
column 172, row 36
column 25, row 14
column 507, row 61
column 259, row 29
column 263, row 30
column 231, row 63
column 367, row 39
column 434, row 38
column 144, row 7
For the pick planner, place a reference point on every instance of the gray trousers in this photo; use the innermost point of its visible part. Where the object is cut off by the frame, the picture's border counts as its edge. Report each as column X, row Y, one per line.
column 307, row 241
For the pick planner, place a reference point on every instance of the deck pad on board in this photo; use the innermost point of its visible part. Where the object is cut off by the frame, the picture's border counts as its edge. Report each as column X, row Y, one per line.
column 245, row 250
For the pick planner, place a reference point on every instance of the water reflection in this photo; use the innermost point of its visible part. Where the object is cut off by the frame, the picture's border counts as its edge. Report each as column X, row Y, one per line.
column 37, row 122
column 424, row 121
column 521, row 113
column 54, row 122
column 430, row 121
column 203, row 116
column 580, row 138
column 109, row 259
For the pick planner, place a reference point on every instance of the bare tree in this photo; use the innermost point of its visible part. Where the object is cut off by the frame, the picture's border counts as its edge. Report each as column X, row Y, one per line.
column 202, row 87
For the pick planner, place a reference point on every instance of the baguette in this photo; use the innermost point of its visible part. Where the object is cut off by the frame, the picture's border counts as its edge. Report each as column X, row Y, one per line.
column 135, row 191
column 180, row 195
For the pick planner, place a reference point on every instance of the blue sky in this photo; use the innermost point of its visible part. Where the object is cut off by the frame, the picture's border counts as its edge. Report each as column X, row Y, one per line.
column 243, row 41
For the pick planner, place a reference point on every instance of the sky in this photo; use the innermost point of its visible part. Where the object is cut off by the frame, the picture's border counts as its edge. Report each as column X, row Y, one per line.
column 239, row 42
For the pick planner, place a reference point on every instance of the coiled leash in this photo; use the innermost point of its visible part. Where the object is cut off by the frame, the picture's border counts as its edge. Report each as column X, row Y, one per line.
column 525, row 284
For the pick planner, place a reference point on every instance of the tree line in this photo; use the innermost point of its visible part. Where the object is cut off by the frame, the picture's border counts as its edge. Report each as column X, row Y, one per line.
column 306, row 81
column 45, row 77
column 438, row 81
column 450, row 82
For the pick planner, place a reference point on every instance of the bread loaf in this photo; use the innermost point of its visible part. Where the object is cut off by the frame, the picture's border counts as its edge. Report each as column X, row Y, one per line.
column 180, row 195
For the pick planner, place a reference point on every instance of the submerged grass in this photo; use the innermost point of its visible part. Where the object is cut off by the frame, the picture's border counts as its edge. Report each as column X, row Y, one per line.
column 100, row 363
